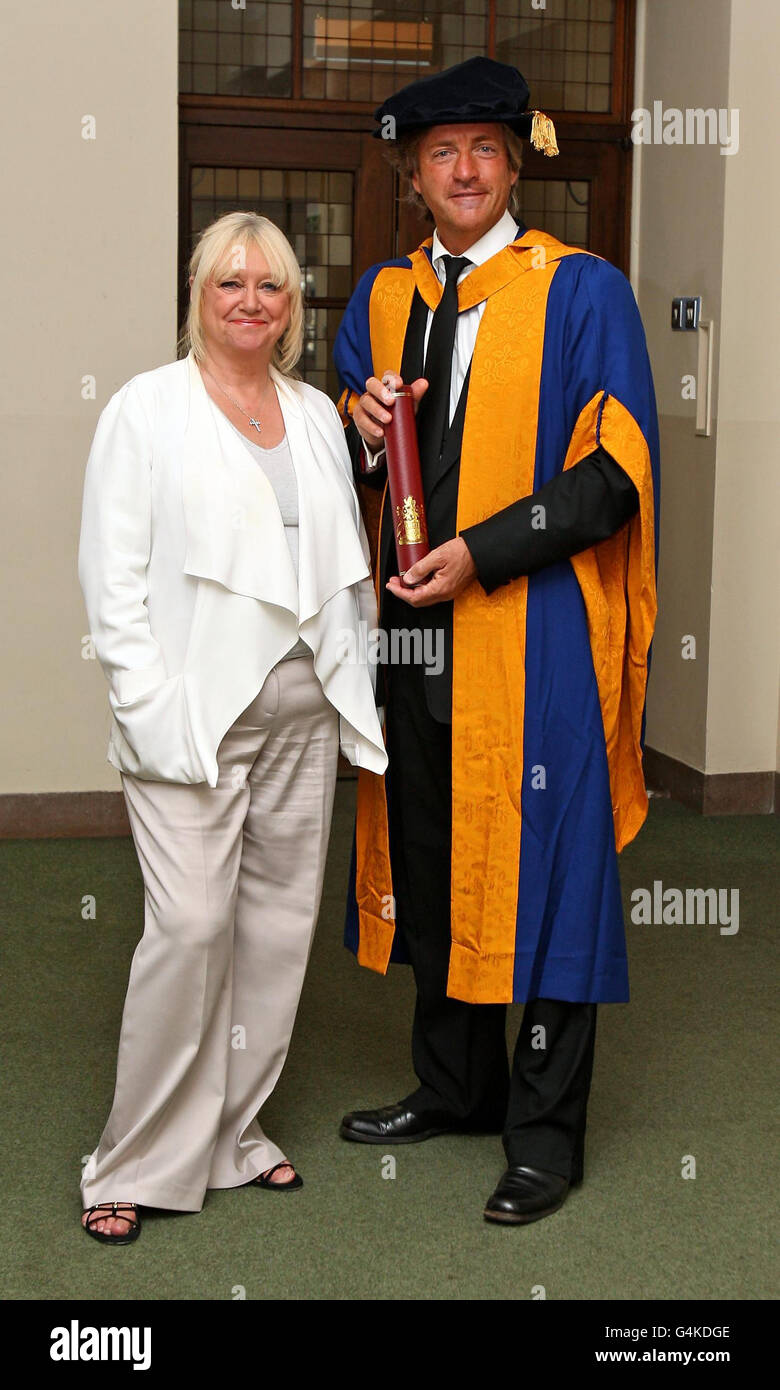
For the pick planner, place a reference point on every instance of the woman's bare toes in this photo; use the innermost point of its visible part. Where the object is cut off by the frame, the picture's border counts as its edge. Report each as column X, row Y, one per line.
column 282, row 1175
column 110, row 1224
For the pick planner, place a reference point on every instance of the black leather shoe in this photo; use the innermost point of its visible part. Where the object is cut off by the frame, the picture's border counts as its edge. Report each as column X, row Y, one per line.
column 527, row 1194
column 393, row 1124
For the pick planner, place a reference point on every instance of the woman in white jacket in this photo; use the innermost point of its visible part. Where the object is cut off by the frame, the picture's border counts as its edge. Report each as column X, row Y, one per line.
column 225, row 572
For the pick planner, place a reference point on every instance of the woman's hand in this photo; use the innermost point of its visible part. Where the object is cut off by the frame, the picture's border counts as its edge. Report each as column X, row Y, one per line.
column 372, row 411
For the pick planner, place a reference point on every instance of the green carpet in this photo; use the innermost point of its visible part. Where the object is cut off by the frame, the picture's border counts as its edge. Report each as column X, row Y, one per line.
column 685, row 1069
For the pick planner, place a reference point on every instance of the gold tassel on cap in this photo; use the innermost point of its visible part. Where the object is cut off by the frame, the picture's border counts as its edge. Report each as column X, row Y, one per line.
column 543, row 134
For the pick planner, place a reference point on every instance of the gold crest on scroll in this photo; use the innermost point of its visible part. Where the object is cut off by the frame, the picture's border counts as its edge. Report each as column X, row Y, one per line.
column 410, row 528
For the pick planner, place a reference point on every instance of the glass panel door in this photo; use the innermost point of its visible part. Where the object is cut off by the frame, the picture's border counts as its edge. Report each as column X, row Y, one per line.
column 314, row 209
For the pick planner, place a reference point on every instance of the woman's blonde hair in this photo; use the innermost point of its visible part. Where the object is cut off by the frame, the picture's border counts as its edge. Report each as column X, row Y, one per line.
column 403, row 155
column 218, row 250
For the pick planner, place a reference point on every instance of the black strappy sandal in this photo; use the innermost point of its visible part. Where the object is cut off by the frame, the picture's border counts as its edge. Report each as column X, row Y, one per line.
column 265, row 1180
column 105, row 1209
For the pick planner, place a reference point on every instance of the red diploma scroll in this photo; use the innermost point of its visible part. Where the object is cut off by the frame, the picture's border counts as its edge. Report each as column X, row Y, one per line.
column 405, row 482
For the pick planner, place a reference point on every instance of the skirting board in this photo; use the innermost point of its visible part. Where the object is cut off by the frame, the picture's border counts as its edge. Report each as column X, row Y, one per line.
column 68, row 815
column 713, row 794
column 71, row 815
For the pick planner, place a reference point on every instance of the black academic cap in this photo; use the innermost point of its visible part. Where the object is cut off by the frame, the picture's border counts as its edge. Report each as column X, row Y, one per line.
column 478, row 90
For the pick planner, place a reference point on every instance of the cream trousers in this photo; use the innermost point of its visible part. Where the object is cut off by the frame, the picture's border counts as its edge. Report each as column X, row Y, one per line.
column 232, row 884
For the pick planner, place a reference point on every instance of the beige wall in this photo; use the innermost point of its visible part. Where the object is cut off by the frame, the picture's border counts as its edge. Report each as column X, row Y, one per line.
column 89, row 276
column 745, row 624
column 706, row 224
column 680, row 251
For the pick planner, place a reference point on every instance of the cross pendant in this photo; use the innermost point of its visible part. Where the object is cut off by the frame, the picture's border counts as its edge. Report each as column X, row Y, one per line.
column 256, row 424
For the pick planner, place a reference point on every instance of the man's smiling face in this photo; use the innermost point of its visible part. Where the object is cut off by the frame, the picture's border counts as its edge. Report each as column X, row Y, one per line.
column 464, row 176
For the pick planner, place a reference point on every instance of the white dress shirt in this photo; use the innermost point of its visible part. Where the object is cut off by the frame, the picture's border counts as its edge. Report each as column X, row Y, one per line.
column 500, row 235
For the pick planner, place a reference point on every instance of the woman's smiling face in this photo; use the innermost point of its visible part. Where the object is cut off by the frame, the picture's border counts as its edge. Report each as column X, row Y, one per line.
column 245, row 310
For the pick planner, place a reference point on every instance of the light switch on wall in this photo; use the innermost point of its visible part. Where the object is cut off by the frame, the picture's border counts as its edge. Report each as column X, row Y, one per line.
column 685, row 313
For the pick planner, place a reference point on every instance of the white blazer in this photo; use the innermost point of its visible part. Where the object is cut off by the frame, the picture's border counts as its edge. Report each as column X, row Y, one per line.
column 190, row 588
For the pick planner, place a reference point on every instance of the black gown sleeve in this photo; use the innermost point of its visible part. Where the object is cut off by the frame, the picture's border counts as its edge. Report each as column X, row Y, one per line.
column 584, row 505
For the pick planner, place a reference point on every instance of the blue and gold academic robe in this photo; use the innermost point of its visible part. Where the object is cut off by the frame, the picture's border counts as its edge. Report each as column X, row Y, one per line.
column 549, row 671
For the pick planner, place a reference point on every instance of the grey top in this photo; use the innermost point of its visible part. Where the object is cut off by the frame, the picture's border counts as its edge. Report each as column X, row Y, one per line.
column 278, row 467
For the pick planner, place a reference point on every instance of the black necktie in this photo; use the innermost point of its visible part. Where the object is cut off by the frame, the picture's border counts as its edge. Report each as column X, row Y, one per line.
column 434, row 412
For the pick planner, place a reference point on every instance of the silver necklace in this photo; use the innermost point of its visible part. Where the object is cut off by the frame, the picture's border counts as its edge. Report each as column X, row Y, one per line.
column 249, row 417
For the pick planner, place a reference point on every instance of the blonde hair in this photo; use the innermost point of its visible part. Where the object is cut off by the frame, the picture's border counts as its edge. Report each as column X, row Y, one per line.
column 215, row 252
column 403, row 155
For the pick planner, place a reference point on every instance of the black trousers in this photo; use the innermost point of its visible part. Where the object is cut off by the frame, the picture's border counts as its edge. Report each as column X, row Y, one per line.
column 459, row 1050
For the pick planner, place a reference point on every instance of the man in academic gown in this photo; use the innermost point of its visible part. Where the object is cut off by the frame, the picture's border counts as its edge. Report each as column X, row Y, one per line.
column 487, row 854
